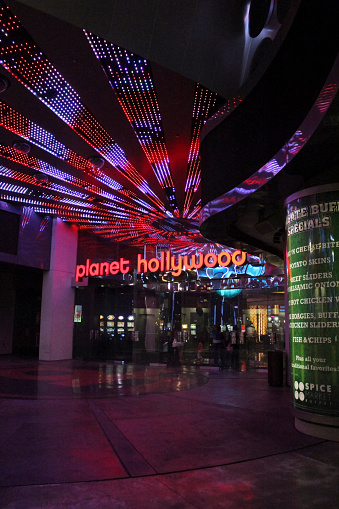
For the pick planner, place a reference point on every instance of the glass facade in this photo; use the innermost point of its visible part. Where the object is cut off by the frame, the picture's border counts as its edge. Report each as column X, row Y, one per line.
column 137, row 322
column 136, row 316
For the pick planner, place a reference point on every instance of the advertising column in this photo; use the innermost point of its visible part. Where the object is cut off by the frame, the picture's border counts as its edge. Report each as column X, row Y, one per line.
column 312, row 268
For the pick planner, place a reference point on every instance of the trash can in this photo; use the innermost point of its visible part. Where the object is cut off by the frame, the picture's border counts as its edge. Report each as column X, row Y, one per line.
column 275, row 367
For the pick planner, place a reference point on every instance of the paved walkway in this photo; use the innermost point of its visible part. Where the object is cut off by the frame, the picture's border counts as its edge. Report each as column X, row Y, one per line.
column 91, row 435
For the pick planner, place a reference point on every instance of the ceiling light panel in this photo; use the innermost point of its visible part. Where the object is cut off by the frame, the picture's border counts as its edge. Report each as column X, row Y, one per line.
column 131, row 78
column 21, row 57
column 23, row 177
column 204, row 103
column 46, row 169
column 115, row 205
column 17, row 123
column 87, row 201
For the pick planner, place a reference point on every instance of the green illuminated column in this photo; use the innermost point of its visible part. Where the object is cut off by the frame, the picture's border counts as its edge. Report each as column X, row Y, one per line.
column 312, row 268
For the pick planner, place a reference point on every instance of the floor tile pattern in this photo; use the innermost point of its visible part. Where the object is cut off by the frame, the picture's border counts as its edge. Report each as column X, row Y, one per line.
column 155, row 437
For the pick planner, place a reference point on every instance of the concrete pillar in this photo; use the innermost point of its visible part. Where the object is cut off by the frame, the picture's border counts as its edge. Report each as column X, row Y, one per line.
column 57, row 306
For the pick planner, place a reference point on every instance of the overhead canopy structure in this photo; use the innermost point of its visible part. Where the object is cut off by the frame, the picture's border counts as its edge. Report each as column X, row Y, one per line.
column 103, row 107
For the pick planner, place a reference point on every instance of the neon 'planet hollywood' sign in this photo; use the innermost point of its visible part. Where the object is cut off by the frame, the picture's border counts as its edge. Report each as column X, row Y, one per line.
column 166, row 262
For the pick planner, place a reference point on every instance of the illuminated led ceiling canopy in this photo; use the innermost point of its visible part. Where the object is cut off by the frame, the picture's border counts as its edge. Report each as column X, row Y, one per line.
column 131, row 78
column 97, row 201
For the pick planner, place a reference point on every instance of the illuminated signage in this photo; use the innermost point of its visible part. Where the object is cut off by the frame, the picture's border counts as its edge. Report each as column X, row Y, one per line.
column 166, row 262
column 312, row 261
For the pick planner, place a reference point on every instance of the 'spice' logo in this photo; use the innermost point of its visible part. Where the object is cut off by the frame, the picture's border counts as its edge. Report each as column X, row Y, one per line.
column 299, row 391
column 305, row 390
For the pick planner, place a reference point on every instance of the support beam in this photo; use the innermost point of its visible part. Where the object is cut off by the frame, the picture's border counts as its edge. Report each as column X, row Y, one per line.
column 57, row 307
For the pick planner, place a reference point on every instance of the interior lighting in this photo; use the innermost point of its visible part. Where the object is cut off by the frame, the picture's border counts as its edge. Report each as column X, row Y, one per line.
column 116, row 213
column 48, row 170
column 21, row 57
column 204, row 103
column 13, row 188
column 131, row 78
column 17, row 123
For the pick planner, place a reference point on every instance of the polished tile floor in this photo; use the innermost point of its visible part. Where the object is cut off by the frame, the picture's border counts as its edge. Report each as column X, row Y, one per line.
column 100, row 435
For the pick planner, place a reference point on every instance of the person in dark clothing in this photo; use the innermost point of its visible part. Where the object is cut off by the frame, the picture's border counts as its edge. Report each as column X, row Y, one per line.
column 219, row 346
column 235, row 349
column 178, row 345
column 228, row 350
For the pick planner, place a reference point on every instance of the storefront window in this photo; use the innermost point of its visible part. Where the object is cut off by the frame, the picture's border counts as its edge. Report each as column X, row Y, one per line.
column 136, row 323
column 133, row 316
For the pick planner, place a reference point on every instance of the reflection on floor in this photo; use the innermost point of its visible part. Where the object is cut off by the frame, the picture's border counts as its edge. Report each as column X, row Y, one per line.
column 87, row 435
column 74, row 380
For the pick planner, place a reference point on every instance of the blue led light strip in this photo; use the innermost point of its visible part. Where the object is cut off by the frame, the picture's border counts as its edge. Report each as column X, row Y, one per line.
column 13, row 188
column 127, row 224
column 13, row 174
column 76, row 212
column 17, row 123
column 204, row 103
column 115, row 203
column 27, row 63
column 131, row 78
column 194, row 214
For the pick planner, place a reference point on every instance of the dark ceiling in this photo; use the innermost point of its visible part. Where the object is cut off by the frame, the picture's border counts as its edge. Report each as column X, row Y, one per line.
column 281, row 139
column 213, row 43
column 142, row 119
